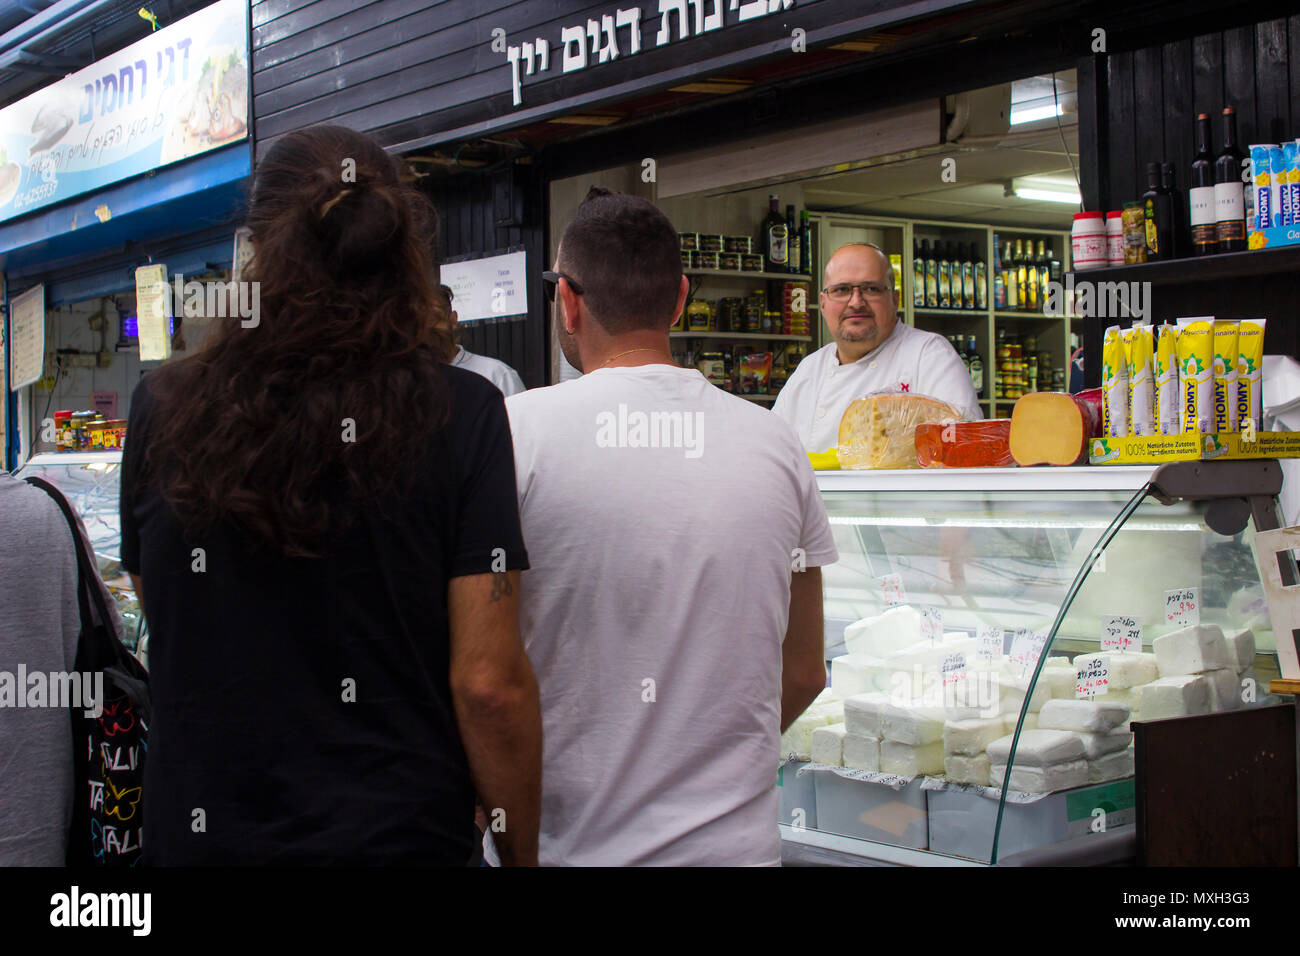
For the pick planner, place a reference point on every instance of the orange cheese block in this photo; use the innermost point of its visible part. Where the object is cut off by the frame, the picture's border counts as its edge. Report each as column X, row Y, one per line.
column 964, row 445
column 1052, row 428
column 879, row 431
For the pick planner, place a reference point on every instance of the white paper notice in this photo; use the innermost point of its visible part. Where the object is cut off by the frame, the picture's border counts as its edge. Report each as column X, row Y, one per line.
column 1120, row 632
column 153, row 310
column 1183, row 607
column 1092, row 678
column 932, row 623
column 892, row 586
column 27, row 337
column 990, row 643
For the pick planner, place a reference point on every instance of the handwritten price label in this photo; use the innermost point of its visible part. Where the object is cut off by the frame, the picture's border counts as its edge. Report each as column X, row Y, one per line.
column 1026, row 647
column 1183, row 607
column 892, row 586
column 932, row 623
column 954, row 669
column 1092, row 678
column 1120, row 633
column 990, row 643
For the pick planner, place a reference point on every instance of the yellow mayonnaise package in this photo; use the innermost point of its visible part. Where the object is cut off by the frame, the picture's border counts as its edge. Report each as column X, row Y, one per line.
column 1196, row 372
column 1225, row 375
column 1250, row 373
column 1139, row 353
column 1114, row 385
column 1169, row 404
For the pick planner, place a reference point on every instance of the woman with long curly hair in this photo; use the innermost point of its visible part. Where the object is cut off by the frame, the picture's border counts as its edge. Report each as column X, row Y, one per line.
column 320, row 515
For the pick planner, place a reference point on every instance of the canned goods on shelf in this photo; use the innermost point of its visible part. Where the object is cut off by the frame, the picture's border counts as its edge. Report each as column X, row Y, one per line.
column 690, row 241
column 741, row 245
column 707, row 260
column 751, row 263
column 710, row 243
column 729, row 261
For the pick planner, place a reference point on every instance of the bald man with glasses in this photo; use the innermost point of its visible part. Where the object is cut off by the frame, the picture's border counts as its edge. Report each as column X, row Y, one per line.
column 871, row 352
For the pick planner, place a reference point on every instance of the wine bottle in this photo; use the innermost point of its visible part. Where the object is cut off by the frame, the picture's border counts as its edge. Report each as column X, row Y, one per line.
column 796, row 241
column 1229, row 199
column 1176, row 242
column 1149, row 200
column 931, row 275
column 1201, row 195
column 918, row 275
column 999, row 279
column 776, row 238
column 975, row 365
column 805, row 233
column 981, row 279
column 945, row 275
column 967, row 277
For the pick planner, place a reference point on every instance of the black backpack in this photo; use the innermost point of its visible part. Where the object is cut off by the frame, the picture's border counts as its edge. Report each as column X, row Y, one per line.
column 108, row 751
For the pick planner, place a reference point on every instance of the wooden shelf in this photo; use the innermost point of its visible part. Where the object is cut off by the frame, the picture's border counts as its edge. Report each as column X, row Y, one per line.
column 1032, row 316
column 740, row 274
column 962, row 313
column 741, row 336
column 1227, row 265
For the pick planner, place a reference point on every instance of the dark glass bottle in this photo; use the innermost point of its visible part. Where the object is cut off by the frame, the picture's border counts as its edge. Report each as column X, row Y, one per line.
column 1200, row 193
column 918, row 273
column 1175, row 240
column 1229, row 189
column 775, row 237
column 981, row 278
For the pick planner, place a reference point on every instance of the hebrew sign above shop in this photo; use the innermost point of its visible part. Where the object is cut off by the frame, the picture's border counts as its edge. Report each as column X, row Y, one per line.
column 175, row 94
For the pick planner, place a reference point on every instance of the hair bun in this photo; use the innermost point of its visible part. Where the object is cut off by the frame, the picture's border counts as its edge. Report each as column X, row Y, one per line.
column 360, row 225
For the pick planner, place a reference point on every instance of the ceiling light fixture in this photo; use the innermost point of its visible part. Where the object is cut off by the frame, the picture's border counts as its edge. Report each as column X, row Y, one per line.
column 1045, row 191
column 1034, row 113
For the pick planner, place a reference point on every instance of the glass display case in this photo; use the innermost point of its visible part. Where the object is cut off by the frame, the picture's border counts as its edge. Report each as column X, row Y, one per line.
column 1006, row 626
column 91, row 482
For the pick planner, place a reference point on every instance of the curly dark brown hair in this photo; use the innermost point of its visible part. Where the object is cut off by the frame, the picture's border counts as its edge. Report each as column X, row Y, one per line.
column 252, row 428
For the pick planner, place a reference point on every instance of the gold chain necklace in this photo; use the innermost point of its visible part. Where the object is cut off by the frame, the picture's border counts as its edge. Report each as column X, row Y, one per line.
column 628, row 352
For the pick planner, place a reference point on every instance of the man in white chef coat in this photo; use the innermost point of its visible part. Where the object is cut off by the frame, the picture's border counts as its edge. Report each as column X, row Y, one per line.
column 872, row 352
column 500, row 374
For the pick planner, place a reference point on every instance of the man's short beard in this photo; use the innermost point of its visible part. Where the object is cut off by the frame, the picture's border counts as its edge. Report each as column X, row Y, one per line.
column 868, row 333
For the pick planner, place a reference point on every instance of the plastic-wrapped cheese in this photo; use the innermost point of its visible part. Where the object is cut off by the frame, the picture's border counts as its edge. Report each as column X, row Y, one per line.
column 909, row 761
column 1052, row 428
column 863, row 714
column 1191, row 650
column 828, row 744
column 1241, row 649
column 854, row 674
column 967, row 768
column 1124, row 669
column 861, row 753
column 797, row 739
column 1224, row 688
column 914, row 726
column 1113, row 766
column 1094, row 716
column 879, row 431
column 1094, row 745
column 1038, row 748
column 971, row 736
column 965, row 445
column 1183, row 695
column 1060, row 776
column 895, row 629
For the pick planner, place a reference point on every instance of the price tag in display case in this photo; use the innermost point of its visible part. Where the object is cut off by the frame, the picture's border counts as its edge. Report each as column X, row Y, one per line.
column 1121, row 633
column 1092, row 678
column 953, row 669
column 892, row 586
column 990, row 643
column 1026, row 647
column 932, row 624
column 1183, row 607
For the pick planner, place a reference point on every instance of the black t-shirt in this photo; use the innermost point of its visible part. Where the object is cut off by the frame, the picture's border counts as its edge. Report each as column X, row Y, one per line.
column 256, row 753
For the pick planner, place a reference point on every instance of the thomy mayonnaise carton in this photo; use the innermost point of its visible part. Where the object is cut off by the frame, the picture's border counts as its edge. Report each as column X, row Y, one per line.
column 1225, row 375
column 1195, row 372
column 1266, row 188
column 1169, row 405
column 1139, row 351
column 1250, row 373
column 1289, row 183
column 1114, row 385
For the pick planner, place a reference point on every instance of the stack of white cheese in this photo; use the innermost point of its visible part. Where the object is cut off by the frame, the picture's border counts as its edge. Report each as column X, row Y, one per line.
column 826, row 710
column 1201, row 671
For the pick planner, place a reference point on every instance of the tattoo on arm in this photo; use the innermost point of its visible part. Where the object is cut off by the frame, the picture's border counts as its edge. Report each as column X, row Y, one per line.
column 500, row 586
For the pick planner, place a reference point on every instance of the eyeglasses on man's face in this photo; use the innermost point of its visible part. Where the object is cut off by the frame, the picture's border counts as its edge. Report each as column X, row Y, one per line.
column 551, row 280
column 843, row 292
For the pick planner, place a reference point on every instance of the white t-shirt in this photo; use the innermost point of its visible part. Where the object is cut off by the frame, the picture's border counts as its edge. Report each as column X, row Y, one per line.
column 910, row 360
column 497, row 372
column 654, row 610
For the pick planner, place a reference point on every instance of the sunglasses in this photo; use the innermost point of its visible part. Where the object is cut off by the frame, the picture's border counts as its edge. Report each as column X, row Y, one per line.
column 551, row 280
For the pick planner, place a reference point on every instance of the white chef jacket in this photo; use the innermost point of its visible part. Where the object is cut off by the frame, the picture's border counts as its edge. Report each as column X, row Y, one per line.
column 500, row 374
column 910, row 360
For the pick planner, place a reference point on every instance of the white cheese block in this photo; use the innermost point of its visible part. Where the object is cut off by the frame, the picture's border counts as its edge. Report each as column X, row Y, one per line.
column 909, row 761
column 797, row 739
column 828, row 744
column 967, row 768
column 1094, row 745
column 1183, row 695
column 885, row 633
column 1191, row 650
column 1124, row 670
column 827, row 696
column 914, row 726
column 1241, row 649
column 971, row 736
column 1225, row 689
column 1060, row 680
column 1095, row 716
column 861, row 753
column 1038, row 748
column 863, row 713
column 1014, row 689
column 854, row 674
column 1061, row 776
column 1128, row 697
column 1114, row 766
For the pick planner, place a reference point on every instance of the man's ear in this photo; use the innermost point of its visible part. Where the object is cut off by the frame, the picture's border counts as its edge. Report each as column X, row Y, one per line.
column 572, row 304
column 682, row 293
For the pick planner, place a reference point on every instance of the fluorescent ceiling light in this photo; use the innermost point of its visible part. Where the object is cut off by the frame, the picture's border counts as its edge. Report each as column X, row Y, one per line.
column 1035, row 113
column 1048, row 195
column 1046, row 189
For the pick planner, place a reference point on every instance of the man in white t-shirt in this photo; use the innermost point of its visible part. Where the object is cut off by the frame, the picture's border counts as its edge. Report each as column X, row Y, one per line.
column 872, row 352
column 673, row 609
column 500, row 374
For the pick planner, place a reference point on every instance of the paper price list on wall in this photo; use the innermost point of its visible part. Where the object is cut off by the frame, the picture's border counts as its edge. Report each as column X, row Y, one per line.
column 1183, row 607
